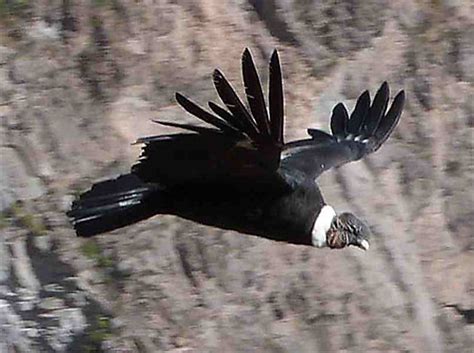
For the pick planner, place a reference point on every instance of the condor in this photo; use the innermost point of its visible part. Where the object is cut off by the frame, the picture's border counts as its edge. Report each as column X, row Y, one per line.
column 238, row 173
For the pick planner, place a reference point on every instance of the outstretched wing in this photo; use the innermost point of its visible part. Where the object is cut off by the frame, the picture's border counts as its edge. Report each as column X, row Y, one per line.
column 241, row 148
column 352, row 138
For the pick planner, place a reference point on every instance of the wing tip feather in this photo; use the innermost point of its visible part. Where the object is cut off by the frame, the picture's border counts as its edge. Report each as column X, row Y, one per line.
column 275, row 58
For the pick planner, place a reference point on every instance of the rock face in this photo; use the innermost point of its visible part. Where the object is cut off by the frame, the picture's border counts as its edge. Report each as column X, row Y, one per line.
column 80, row 81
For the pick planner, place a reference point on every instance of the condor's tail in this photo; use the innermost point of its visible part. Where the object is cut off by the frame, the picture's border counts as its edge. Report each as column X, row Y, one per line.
column 113, row 204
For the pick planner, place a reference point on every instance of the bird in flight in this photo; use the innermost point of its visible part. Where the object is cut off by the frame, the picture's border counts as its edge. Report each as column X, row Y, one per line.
column 237, row 172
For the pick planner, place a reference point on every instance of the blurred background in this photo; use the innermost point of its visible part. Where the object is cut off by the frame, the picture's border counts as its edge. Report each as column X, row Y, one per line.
column 81, row 80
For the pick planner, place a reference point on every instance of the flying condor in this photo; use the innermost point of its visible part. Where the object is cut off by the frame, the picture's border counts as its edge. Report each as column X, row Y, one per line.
column 238, row 173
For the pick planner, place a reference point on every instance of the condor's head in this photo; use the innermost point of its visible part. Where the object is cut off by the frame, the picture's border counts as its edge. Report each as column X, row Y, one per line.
column 339, row 231
column 346, row 229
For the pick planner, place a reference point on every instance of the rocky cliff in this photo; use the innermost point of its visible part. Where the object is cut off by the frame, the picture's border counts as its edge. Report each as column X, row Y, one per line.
column 80, row 81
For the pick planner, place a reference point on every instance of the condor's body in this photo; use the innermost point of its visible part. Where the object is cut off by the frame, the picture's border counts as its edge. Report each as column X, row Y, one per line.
column 289, row 217
column 240, row 174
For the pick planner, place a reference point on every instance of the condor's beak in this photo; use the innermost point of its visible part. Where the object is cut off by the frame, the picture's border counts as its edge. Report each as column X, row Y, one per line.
column 364, row 244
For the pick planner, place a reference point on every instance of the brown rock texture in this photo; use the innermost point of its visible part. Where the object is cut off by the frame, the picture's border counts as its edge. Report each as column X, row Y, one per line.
column 80, row 81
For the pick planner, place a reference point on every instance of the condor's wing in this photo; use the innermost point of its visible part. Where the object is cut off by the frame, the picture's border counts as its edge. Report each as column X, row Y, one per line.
column 352, row 138
column 239, row 148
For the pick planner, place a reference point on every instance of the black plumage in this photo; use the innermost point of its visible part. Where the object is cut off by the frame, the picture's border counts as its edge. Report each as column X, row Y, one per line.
column 254, row 92
column 276, row 99
column 239, row 174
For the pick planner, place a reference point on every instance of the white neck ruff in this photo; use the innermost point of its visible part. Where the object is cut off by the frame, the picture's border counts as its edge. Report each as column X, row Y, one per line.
column 322, row 225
